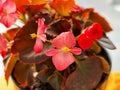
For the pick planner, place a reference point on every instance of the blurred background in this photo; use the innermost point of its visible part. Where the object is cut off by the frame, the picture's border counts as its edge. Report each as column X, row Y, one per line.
column 110, row 9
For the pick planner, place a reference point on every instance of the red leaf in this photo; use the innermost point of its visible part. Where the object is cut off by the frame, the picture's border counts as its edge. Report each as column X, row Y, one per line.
column 22, row 72
column 87, row 75
column 11, row 33
column 85, row 13
column 10, row 65
column 100, row 19
column 33, row 9
column 63, row 7
column 23, row 39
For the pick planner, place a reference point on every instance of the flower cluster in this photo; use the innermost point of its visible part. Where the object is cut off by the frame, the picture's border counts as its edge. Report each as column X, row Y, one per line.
column 94, row 32
column 56, row 36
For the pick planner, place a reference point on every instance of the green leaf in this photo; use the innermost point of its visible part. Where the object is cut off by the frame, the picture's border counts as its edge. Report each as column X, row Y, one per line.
column 106, row 42
column 100, row 19
column 10, row 65
column 87, row 75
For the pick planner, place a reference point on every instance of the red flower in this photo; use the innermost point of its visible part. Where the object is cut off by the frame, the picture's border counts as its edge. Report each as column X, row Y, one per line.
column 84, row 41
column 41, row 37
column 95, row 31
column 3, row 45
column 64, row 50
column 8, row 14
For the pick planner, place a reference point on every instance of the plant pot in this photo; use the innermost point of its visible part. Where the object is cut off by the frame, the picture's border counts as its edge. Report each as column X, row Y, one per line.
column 46, row 86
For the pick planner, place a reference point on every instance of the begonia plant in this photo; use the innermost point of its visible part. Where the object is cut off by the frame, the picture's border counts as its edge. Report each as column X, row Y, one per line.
column 60, row 45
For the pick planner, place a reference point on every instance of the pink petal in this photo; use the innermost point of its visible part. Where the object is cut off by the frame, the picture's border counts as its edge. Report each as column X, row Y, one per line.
column 3, row 43
column 64, row 39
column 43, row 37
column 9, row 20
column 38, row 47
column 51, row 52
column 3, row 1
column 76, row 50
column 63, row 60
column 9, row 6
column 41, row 26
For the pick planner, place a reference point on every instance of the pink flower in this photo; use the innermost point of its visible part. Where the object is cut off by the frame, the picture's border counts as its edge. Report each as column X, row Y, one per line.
column 41, row 37
column 8, row 14
column 64, row 49
column 3, row 45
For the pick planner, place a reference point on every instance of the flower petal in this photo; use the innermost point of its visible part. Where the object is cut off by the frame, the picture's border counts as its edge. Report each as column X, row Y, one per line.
column 3, row 44
column 64, row 39
column 95, row 31
column 41, row 26
column 9, row 6
column 51, row 52
column 43, row 37
column 76, row 50
column 85, row 42
column 9, row 20
column 63, row 60
column 38, row 47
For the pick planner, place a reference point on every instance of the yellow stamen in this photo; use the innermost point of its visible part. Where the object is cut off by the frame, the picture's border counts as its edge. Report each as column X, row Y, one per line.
column 65, row 49
column 33, row 35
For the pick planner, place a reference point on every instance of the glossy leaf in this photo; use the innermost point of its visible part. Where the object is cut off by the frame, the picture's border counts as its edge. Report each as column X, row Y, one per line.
column 86, row 76
column 100, row 19
column 85, row 13
column 96, row 47
column 29, row 56
column 10, row 65
column 33, row 9
column 55, row 80
column 23, row 42
column 106, row 66
column 63, row 7
column 21, row 73
column 59, row 27
column 11, row 33
column 23, row 39
column 45, row 72
column 20, row 3
column 106, row 42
